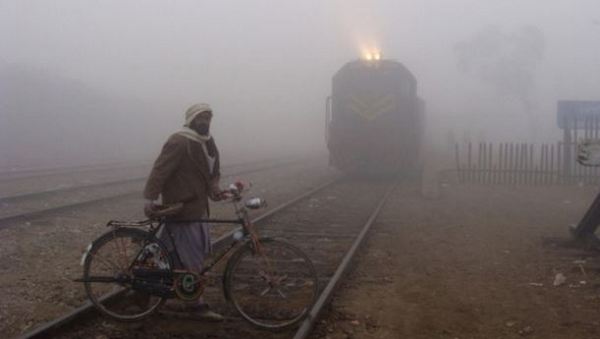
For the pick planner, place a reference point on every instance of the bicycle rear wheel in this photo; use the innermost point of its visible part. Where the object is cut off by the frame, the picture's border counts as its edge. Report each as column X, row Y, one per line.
column 126, row 273
column 272, row 286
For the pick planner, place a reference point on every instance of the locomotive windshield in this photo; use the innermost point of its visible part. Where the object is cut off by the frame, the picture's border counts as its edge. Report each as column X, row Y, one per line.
column 370, row 89
column 378, row 79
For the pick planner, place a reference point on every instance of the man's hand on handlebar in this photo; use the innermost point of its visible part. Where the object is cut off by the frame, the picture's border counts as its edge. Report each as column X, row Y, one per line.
column 223, row 195
column 234, row 191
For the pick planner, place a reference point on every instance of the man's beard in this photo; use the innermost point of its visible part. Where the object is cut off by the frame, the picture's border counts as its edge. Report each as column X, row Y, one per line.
column 202, row 129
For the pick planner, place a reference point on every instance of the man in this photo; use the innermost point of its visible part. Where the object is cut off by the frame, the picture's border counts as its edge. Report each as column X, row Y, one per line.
column 187, row 171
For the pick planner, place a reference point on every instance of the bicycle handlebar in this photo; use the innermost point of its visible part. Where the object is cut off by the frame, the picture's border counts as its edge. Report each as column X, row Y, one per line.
column 234, row 191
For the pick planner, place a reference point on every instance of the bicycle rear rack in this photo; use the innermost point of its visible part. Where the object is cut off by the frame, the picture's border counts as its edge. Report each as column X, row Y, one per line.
column 120, row 223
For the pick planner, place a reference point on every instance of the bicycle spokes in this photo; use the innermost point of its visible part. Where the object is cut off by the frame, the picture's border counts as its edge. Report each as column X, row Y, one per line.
column 125, row 275
column 273, row 288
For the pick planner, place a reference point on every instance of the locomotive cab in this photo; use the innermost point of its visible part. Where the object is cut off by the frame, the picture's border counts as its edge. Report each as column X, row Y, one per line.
column 374, row 118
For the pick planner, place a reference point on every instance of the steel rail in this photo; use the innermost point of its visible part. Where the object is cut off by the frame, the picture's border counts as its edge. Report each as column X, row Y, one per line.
column 227, row 238
column 40, row 173
column 44, row 330
column 28, row 173
column 6, row 222
column 308, row 324
column 17, row 197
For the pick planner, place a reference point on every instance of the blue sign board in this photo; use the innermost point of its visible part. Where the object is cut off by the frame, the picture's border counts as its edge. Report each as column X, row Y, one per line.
column 575, row 114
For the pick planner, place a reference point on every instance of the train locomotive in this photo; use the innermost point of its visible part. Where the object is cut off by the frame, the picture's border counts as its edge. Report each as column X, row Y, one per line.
column 374, row 119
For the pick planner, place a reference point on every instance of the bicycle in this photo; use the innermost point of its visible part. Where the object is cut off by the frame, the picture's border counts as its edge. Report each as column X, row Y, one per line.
column 128, row 273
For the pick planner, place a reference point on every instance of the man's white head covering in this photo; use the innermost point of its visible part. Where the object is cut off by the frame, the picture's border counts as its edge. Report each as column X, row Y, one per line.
column 194, row 110
column 189, row 133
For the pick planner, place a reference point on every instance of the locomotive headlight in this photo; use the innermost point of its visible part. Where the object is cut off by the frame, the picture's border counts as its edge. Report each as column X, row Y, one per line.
column 372, row 55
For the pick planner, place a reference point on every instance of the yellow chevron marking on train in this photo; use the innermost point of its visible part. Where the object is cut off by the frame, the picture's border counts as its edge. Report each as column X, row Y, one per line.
column 369, row 106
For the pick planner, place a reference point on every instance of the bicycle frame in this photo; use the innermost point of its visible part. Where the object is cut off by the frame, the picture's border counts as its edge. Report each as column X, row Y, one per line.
column 243, row 220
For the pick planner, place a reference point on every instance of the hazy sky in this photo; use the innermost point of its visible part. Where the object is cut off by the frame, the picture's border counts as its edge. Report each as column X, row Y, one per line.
column 266, row 66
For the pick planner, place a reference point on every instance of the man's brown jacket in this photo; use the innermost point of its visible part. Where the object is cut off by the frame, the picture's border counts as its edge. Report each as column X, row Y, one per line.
column 181, row 174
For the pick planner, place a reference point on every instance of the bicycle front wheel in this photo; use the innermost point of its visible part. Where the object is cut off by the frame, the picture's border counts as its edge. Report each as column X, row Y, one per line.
column 272, row 285
column 125, row 271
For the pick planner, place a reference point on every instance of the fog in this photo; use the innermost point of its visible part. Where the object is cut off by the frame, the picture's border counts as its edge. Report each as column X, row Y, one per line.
column 101, row 81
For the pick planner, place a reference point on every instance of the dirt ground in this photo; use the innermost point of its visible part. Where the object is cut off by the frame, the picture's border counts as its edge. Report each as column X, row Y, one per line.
column 477, row 262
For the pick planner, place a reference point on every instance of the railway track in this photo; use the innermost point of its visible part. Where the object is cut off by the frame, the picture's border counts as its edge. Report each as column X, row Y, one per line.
column 25, row 173
column 328, row 223
column 20, row 184
column 22, row 207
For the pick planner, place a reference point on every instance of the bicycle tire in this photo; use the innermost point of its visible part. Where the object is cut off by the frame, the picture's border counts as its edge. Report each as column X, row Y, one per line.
column 272, row 288
column 108, row 289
